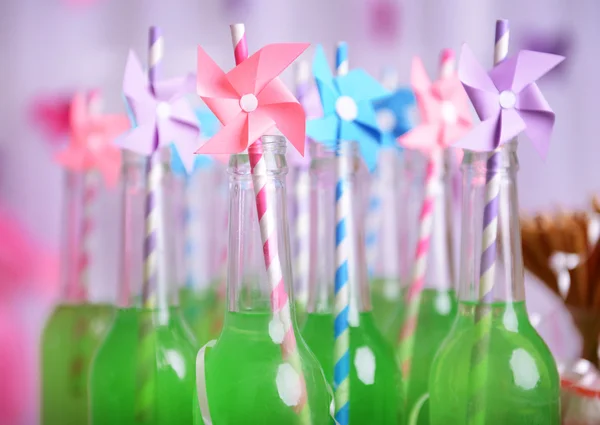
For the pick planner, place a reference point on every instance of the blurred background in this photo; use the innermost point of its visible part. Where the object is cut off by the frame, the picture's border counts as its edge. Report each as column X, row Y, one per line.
column 53, row 47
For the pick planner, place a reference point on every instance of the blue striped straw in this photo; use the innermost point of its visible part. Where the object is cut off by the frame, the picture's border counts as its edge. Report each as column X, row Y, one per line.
column 341, row 373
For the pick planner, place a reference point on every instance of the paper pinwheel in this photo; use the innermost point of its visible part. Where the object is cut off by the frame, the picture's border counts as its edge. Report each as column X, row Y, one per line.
column 444, row 110
column 162, row 116
column 394, row 115
column 507, row 100
column 250, row 99
column 348, row 112
column 209, row 125
column 91, row 144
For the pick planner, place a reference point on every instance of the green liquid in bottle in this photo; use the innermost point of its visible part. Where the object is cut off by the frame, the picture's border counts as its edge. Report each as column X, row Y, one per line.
column 437, row 312
column 116, row 371
column 69, row 341
column 385, row 306
column 245, row 377
column 522, row 386
column 204, row 312
column 375, row 381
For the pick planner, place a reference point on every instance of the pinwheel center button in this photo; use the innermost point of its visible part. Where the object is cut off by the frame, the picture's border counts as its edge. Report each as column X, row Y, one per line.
column 346, row 108
column 449, row 113
column 508, row 100
column 163, row 110
column 248, row 103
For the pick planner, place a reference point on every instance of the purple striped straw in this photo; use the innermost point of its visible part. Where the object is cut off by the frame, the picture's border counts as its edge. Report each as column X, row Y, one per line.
column 476, row 411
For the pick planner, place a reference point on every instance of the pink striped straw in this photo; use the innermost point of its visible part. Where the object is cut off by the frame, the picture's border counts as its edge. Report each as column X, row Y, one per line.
column 413, row 297
column 280, row 301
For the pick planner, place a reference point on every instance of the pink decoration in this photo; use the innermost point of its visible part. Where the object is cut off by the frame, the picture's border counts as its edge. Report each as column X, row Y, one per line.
column 51, row 115
column 444, row 109
column 384, row 19
column 22, row 261
column 250, row 100
column 91, row 144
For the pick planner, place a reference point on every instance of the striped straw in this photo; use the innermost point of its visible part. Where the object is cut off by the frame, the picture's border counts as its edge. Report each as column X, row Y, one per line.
column 155, row 277
column 341, row 351
column 413, row 296
column 483, row 312
column 80, row 360
column 372, row 223
column 302, row 200
column 280, row 300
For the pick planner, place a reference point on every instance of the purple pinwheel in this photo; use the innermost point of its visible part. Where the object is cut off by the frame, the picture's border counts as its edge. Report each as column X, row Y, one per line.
column 162, row 115
column 507, row 100
column 308, row 96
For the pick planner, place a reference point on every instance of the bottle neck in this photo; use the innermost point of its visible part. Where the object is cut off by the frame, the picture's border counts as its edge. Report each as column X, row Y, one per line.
column 201, row 229
column 328, row 172
column 437, row 275
column 165, row 210
column 492, row 261
column 75, row 288
column 250, row 288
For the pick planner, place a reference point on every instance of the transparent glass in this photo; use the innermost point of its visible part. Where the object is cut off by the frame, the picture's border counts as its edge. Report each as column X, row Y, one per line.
column 143, row 373
column 493, row 367
column 437, row 302
column 83, row 314
column 202, row 305
column 257, row 371
column 375, row 381
column 387, row 286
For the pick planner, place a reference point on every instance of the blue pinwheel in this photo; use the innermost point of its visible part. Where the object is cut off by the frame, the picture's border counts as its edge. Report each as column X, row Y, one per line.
column 393, row 114
column 348, row 112
column 209, row 125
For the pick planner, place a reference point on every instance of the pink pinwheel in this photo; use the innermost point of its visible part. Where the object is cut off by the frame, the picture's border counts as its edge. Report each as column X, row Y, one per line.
column 161, row 115
column 250, row 100
column 444, row 110
column 92, row 136
column 507, row 100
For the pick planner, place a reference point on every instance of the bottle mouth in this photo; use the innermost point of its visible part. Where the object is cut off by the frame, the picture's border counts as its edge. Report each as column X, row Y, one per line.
column 274, row 143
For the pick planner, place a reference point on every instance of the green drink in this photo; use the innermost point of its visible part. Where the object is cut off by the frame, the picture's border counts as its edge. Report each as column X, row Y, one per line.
column 436, row 315
column 375, row 383
column 203, row 311
column 116, row 370
column 70, row 339
column 385, row 304
column 522, row 387
column 244, row 377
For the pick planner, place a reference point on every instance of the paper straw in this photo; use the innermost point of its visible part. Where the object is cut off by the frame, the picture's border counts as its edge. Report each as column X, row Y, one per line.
column 280, row 300
column 155, row 278
column 413, row 296
column 302, row 202
column 341, row 352
column 483, row 312
column 372, row 224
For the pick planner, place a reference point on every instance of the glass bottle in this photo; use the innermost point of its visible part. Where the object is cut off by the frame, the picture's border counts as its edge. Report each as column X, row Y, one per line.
column 495, row 366
column 437, row 301
column 144, row 371
column 375, row 381
column 201, row 304
column 247, row 378
column 387, row 284
column 83, row 314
